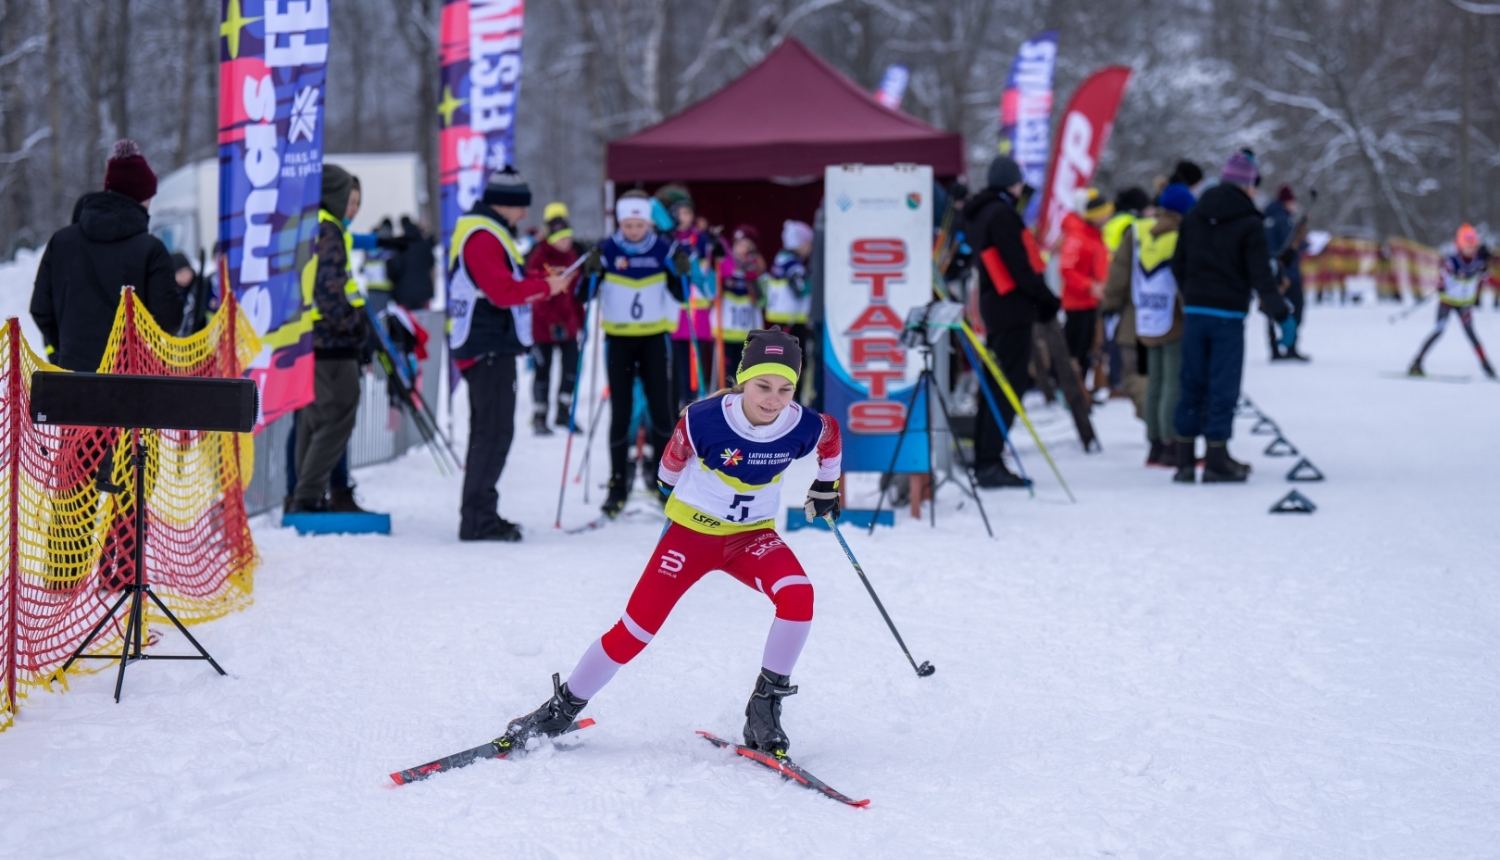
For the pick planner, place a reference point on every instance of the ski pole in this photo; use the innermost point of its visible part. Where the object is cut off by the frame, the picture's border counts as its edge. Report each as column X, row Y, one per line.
column 588, row 444
column 1408, row 312
column 562, row 489
column 923, row 670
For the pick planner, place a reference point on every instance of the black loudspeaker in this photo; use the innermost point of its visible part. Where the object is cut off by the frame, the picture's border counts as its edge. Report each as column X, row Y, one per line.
column 144, row 402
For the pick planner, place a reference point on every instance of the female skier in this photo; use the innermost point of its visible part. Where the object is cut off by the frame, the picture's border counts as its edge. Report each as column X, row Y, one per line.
column 1463, row 274
column 722, row 472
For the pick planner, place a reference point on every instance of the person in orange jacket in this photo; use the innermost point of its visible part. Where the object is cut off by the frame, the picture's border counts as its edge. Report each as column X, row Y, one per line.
column 1083, row 262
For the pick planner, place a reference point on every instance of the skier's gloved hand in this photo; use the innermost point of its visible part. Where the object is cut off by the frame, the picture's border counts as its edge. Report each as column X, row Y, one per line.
column 665, row 489
column 1288, row 332
column 682, row 263
column 394, row 243
column 822, row 500
column 593, row 264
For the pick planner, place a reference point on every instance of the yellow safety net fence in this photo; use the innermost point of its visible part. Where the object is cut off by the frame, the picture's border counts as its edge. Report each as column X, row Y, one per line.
column 67, row 530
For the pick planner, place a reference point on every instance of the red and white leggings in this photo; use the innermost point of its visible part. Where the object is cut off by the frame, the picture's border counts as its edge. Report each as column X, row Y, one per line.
column 760, row 559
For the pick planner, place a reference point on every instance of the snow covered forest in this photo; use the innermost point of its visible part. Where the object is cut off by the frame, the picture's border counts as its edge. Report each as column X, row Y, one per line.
column 1388, row 107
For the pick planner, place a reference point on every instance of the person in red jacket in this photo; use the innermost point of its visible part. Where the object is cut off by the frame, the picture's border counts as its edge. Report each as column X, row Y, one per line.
column 555, row 321
column 1083, row 261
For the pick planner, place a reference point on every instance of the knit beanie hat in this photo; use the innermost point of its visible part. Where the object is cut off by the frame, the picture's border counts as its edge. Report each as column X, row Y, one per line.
column 1132, row 199
column 1238, row 170
column 1176, row 198
column 1187, row 173
column 770, row 351
column 1004, row 172
column 1466, row 235
column 554, row 211
column 507, row 187
column 128, row 173
column 747, row 231
column 558, row 229
column 338, row 184
column 795, row 234
column 1092, row 205
column 1286, row 195
column 674, row 196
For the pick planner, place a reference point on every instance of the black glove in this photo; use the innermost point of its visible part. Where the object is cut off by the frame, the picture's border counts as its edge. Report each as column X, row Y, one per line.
column 665, row 489
column 822, row 500
column 593, row 264
column 681, row 263
column 395, row 243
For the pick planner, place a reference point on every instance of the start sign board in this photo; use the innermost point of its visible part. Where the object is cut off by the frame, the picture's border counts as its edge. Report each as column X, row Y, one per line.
column 877, row 267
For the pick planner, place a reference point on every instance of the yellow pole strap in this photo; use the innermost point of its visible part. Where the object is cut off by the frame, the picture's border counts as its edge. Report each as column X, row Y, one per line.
column 1015, row 402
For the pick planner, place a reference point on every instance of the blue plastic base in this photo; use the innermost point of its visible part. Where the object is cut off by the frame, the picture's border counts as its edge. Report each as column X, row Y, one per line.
column 796, row 520
column 338, row 524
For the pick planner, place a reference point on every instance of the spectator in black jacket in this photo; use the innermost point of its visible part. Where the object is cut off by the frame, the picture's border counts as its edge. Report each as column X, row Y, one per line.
column 1221, row 258
column 340, row 333
column 77, row 289
column 411, row 269
column 1012, row 298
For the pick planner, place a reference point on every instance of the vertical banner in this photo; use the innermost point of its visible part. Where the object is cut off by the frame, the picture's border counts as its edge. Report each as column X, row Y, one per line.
column 893, row 86
column 1085, row 130
column 480, row 55
column 1026, row 111
column 877, row 267
column 273, row 59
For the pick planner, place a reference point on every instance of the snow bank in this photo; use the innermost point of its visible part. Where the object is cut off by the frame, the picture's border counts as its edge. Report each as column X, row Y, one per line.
column 16, row 279
column 1157, row 671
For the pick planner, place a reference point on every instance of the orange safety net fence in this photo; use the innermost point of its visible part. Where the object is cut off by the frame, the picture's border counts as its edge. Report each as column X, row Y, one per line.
column 69, row 540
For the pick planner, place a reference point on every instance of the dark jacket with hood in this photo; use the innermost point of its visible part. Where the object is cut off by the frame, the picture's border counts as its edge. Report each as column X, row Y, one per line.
column 994, row 224
column 1221, row 256
column 77, row 289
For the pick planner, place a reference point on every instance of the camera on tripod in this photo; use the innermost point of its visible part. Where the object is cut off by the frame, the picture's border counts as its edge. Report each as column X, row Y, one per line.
column 916, row 333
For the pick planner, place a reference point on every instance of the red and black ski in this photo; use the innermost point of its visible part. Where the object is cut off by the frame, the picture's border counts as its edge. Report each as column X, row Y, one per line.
column 786, row 767
column 493, row 749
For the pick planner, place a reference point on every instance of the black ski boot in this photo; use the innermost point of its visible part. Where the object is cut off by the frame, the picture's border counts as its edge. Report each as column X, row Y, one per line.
column 619, row 493
column 550, row 720
column 564, row 409
column 1416, row 368
column 539, row 422
column 763, row 714
column 1220, row 468
column 1156, row 455
column 341, row 501
column 1187, row 463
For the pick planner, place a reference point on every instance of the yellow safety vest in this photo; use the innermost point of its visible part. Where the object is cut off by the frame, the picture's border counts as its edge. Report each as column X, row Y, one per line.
column 463, row 293
column 310, row 270
column 1114, row 230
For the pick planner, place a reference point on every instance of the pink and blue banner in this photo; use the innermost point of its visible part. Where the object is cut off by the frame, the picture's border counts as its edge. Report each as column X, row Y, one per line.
column 1026, row 111
column 480, row 55
column 273, row 61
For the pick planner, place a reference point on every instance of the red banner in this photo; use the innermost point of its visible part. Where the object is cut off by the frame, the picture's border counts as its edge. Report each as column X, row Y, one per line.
column 1083, row 133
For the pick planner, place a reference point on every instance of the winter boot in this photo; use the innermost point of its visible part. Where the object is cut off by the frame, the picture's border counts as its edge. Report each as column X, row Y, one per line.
column 1219, row 468
column 564, row 409
column 993, row 475
column 619, row 493
column 550, row 720
column 341, row 501
column 1156, row 456
column 539, row 422
column 1416, row 368
column 1485, row 364
column 1187, row 464
column 763, row 714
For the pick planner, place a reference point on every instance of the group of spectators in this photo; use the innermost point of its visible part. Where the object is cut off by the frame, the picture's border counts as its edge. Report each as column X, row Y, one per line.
column 1172, row 276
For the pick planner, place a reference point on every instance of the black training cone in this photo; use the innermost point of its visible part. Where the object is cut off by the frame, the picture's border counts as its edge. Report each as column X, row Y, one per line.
column 1280, row 447
column 1294, row 503
column 1265, row 427
column 1244, row 407
column 1304, row 471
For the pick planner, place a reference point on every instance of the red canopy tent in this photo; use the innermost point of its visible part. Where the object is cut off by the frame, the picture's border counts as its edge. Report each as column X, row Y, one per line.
column 754, row 152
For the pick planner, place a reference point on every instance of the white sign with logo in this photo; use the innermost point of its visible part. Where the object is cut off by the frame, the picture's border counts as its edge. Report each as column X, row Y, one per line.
column 877, row 267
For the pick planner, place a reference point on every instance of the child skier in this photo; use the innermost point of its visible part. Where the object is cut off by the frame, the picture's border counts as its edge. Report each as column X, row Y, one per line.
column 692, row 344
column 740, row 294
column 1463, row 274
column 640, row 280
column 788, row 288
column 722, row 473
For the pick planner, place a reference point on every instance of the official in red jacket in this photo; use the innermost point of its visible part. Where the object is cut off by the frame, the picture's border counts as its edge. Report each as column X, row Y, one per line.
column 1083, row 261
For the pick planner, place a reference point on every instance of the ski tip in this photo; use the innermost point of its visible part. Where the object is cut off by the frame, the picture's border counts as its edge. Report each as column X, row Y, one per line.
column 862, row 804
column 396, row 778
column 585, row 722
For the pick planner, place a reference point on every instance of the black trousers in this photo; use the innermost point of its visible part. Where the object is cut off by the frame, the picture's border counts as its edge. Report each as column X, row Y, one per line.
column 1298, row 300
column 1078, row 331
column 492, row 427
column 542, row 356
column 648, row 359
column 1012, row 350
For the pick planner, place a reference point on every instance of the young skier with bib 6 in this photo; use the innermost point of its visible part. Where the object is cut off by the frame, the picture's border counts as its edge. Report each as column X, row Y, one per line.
column 722, row 472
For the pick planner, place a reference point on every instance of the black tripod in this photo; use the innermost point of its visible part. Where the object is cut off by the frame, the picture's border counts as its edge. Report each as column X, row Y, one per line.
column 137, row 590
column 927, row 382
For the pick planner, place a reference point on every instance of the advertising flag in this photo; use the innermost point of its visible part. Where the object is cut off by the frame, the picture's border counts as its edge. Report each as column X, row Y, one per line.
column 480, row 55
column 273, row 59
column 877, row 268
column 1085, row 130
column 893, row 86
column 1026, row 111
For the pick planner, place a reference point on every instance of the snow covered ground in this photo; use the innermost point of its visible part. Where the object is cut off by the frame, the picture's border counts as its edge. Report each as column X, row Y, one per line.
column 1157, row 671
